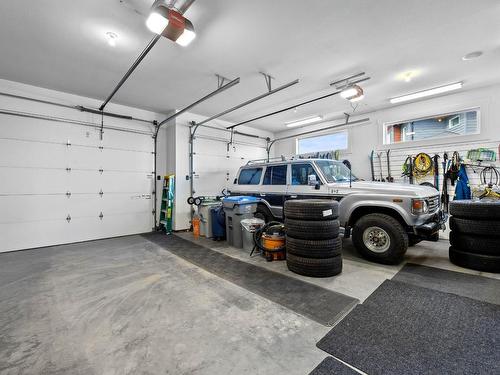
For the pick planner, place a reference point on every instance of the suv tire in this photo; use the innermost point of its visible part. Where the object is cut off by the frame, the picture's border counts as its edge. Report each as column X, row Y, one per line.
column 475, row 244
column 380, row 238
column 264, row 213
column 314, row 249
column 314, row 267
column 475, row 209
column 478, row 227
column 479, row 262
column 312, row 229
column 311, row 209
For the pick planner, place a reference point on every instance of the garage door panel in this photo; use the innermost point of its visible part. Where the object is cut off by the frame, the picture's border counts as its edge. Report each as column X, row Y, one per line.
column 20, row 209
column 47, row 131
column 93, row 205
column 129, row 141
column 33, row 155
column 84, row 181
column 127, row 160
column 33, row 181
column 86, row 158
column 35, row 234
column 126, row 182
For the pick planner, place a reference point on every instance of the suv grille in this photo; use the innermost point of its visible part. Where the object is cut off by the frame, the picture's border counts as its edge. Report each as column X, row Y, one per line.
column 433, row 204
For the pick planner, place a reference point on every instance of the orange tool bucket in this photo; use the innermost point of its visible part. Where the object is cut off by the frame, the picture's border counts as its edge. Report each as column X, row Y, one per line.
column 196, row 227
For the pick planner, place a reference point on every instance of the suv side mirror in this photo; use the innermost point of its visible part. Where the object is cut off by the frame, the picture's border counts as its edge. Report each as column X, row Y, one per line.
column 317, row 186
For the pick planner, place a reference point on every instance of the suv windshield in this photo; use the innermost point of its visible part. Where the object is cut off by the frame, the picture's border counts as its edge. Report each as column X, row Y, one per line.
column 334, row 171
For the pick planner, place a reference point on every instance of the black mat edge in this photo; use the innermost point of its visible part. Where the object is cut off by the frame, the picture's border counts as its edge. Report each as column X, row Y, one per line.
column 160, row 239
column 477, row 287
column 329, row 364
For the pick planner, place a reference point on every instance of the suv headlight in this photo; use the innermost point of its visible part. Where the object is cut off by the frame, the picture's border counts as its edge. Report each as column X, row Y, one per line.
column 419, row 206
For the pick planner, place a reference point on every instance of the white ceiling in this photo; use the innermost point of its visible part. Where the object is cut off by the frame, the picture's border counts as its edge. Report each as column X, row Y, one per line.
column 61, row 45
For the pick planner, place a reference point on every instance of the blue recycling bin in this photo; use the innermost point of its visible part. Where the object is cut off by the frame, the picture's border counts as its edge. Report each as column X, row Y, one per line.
column 218, row 223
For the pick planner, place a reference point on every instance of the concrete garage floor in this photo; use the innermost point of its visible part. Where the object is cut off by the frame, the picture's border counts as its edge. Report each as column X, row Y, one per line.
column 127, row 306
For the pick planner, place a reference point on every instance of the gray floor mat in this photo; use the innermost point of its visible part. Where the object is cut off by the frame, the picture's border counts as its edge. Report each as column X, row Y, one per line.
column 406, row 329
column 473, row 286
column 330, row 366
column 319, row 304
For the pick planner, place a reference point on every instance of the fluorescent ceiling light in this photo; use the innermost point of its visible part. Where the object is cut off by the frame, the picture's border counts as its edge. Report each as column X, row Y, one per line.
column 425, row 93
column 304, row 121
column 186, row 37
column 156, row 22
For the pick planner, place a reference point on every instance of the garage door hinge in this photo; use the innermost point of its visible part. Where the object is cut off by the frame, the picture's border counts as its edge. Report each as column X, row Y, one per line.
column 101, row 170
column 101, row 147
column 101, row 216
column 68, row 143
column 153, row 212
column 68, row 194
column 101, row 193
column 68, row 218
column 68, row 169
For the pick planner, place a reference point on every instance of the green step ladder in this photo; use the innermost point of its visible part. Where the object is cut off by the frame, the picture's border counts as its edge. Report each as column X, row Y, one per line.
column 167, row 203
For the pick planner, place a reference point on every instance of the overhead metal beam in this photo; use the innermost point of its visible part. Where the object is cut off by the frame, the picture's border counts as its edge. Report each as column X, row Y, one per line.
column 248, row 102
column 347, row 78
column 143, row 54
column 208, row 96
column 185, row 6
column 292, row 107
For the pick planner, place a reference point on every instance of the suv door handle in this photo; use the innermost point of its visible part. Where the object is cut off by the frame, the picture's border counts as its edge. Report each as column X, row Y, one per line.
column 262, row 194
column 293, row 196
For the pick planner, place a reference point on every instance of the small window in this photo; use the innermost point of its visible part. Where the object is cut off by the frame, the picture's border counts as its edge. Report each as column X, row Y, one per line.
column 328, row 142
column 454, row 122
column 250, row 176
column 440, row 126
column 301, row 173
column 275, row 175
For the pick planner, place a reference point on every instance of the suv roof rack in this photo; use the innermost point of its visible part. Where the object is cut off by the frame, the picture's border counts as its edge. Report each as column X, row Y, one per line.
column 316, row 155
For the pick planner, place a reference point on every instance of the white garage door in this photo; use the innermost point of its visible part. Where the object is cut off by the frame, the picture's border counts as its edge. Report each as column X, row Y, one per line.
column 60, row 183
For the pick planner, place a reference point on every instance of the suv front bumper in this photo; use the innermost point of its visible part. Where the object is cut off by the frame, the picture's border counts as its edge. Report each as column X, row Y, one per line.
column 429, row 230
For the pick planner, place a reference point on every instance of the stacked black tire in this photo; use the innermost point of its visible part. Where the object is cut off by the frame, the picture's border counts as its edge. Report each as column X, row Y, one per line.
column 475, row 235
column 313, row 245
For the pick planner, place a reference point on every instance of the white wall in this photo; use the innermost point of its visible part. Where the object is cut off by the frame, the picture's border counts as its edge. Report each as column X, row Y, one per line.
column 34, row 180
column 215, row 167
column 366, row 137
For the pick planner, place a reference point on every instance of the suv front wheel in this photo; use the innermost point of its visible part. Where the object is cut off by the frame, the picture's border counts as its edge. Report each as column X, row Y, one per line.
column 380, row 238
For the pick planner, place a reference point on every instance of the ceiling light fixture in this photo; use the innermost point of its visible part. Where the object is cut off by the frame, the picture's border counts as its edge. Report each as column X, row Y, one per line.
column 472, row 55
column 157, row 20
column 304, row 121
column 352, row 93
column 170, row 24
column 111, row 37
column 425, row 93
column 357, row 98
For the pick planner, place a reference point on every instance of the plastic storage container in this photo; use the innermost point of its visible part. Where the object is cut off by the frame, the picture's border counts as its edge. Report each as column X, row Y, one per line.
column 218, row 223
column 249, row 226
column 237, row 208
column 206, row 218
